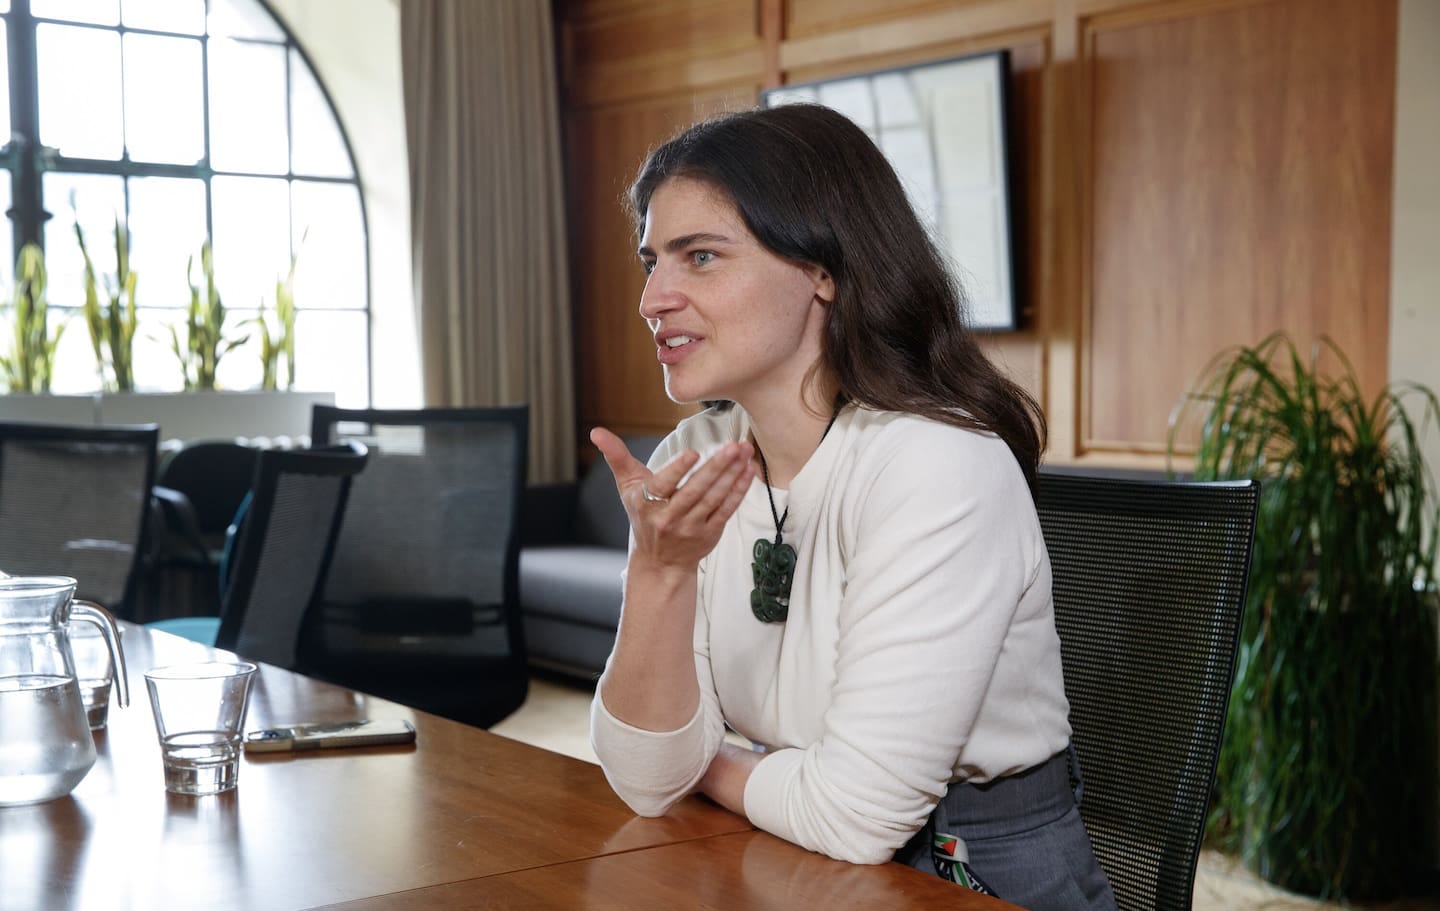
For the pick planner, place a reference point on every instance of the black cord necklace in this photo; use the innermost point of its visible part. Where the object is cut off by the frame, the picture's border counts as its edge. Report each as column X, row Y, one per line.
column 774, row 566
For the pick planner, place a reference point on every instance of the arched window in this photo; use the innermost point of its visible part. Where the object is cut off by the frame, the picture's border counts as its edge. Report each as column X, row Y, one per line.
column 187, row 120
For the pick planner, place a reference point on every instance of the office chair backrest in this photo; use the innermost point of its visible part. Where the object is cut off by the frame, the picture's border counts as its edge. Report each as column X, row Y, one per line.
column 422, row 604
column 73, row 501
column 283, row 549
column 1149, row 581
column 432, row 528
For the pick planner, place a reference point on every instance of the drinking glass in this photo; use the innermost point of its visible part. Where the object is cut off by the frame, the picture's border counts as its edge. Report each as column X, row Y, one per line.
column 94, row 670
column 199, row 714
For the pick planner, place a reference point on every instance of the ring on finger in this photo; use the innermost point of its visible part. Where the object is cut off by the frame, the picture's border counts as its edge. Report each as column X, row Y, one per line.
column 652, row 497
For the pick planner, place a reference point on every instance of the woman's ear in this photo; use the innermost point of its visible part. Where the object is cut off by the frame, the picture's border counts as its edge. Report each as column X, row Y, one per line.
column 824, row 284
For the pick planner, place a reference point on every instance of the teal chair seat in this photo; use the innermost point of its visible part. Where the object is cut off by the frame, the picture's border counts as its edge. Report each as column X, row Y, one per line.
column 197, row 629
column 204, row 630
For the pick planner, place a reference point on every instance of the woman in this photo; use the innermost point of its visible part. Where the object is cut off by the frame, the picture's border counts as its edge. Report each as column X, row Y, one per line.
column 840, row 558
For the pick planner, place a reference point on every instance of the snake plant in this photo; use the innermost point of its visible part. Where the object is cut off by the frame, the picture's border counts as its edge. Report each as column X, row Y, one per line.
column 29, row 365
column 112, row 324
column 1328, row 772
column 280, row 342
column 206, row 340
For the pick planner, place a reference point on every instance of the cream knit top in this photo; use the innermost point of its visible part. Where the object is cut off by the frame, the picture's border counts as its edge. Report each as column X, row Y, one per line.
column 920, row 647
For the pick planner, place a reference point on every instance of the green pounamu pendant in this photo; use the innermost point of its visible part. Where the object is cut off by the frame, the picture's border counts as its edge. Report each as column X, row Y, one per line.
column 774, row 571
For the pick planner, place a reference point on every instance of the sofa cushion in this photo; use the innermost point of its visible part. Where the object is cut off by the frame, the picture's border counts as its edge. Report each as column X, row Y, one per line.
column 578, row 584
column 600, row 517
column 576, row 649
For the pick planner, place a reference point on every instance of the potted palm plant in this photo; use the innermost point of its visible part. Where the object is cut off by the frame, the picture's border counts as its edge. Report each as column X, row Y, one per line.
column 1327, row 777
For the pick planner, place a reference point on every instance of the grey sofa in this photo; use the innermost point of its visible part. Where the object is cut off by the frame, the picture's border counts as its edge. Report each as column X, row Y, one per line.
column 573, row 543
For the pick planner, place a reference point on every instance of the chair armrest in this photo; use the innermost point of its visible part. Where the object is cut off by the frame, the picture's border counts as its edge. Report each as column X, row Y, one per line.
column 547, row 514
column 181, row 523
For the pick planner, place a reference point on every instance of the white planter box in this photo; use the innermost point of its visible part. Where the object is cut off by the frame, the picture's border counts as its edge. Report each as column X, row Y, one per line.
column 50, row 409
column 183, row 416
column 207, row 415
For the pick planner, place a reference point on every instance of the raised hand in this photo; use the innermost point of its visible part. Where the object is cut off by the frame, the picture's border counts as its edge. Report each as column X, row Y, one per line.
column 676, row 524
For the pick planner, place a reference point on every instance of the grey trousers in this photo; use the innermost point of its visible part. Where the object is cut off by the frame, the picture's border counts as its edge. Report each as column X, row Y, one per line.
column 1025, row 838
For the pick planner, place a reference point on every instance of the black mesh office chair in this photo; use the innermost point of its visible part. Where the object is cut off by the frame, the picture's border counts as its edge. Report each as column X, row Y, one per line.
column 283, row 548
column 73, row 503
column 213, row 476
column 1150, row 581
column 421, row 604
column 197, row 491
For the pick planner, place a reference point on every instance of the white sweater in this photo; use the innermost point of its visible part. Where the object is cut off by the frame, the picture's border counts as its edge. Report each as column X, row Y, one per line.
column 920, row 647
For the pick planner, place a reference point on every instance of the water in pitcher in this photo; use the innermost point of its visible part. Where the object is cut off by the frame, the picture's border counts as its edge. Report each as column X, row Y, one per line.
column 46, row 748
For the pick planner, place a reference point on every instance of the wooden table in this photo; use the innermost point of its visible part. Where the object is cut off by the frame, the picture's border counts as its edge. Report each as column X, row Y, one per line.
column 464, row 818
column 754, row 871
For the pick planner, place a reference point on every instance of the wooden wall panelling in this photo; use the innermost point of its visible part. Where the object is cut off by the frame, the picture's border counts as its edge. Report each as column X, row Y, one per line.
column 1060, row 233
column 607, row 33
column 772, row 32
column 658, row 77
column 1195, row 172
column 1022, row 354
column 1239, row 180
column 935, row 51
column 616, row 50
column 819, row 32
column 804, row 18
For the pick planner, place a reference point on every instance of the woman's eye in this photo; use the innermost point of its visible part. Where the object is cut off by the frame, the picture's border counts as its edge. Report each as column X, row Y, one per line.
column 647, row 265
column 702, row 257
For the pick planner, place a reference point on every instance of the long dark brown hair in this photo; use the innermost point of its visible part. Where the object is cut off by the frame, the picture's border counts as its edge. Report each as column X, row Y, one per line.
column 813, row 188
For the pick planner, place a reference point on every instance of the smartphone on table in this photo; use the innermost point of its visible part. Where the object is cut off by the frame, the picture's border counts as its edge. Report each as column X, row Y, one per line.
column 328, row 735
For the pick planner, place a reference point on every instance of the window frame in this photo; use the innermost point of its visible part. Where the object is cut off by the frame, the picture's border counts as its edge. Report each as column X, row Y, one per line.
column 27, row 160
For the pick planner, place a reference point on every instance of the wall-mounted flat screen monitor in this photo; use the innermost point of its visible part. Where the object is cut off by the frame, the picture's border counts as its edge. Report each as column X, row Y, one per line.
column 943, row 127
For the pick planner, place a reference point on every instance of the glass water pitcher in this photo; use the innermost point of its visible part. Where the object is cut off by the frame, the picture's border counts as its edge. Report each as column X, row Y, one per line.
column 45, row 742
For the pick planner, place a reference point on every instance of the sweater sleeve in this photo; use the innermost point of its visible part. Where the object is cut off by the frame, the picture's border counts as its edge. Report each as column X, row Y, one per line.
column 652, row 770
column 940, row 551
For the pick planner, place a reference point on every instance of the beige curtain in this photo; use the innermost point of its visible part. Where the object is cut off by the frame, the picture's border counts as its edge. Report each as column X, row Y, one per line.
column 491, row 289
